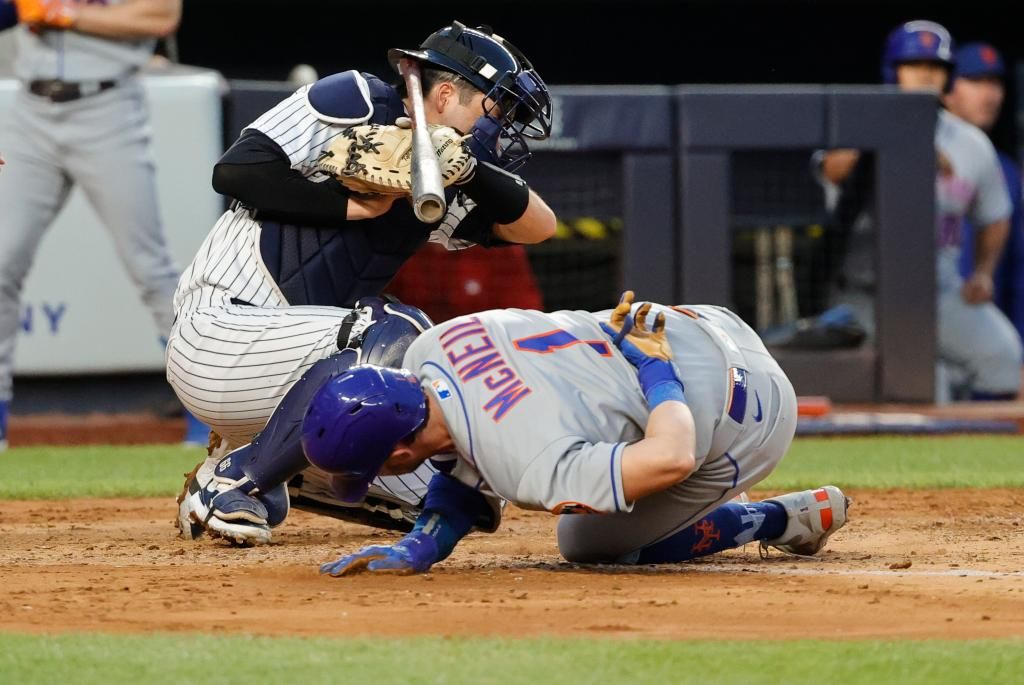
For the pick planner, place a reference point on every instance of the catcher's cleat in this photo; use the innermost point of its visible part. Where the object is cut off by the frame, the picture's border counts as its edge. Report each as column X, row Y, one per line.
column 189, row 526
column 228, row 513
column 222, row 500
column 813, row 515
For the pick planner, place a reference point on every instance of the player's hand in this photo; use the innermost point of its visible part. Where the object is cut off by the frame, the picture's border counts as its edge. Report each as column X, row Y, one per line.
column 415, row 553
column 637, row 342
column 369, row 206
column 836, row 165
column 978, row 289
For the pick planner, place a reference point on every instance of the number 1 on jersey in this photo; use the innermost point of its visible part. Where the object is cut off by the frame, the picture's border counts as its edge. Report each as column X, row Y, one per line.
column 546, row 343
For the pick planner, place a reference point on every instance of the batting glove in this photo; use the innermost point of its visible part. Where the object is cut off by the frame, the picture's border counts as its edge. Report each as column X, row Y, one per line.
column 415, row 553
column 645, row 348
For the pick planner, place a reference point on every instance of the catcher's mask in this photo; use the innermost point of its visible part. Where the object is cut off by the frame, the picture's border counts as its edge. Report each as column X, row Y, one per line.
column 356, row 419
column 521, row 105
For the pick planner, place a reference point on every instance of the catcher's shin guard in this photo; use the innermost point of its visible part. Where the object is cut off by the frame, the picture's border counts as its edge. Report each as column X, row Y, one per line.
column 231, row 506
column 275, row 455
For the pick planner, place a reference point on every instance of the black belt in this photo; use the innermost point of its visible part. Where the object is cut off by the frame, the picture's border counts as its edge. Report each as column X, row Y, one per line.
column 66, row 91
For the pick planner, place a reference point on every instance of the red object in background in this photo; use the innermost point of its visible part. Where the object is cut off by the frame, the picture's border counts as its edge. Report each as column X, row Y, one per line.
column 446, row 284
column 813, row 405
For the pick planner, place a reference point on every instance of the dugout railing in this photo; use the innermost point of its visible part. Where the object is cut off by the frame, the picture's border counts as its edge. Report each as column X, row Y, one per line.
column 717, row 125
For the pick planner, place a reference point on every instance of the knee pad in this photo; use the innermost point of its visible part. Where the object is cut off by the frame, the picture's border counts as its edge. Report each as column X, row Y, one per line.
column 392, row 327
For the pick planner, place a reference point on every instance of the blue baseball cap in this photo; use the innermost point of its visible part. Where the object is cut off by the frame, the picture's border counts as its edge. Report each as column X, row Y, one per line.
column 975, row 60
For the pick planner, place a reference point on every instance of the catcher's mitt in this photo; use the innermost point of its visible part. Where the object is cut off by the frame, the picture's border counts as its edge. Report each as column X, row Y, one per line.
column 375, row 158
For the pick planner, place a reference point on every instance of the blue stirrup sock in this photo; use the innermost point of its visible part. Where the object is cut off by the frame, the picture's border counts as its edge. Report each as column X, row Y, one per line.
column 730, row 525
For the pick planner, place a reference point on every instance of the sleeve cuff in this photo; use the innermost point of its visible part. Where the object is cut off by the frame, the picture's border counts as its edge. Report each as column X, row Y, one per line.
column 615, row 473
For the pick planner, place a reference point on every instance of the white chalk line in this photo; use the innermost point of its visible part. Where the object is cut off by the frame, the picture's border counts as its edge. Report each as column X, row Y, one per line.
column 890, row 573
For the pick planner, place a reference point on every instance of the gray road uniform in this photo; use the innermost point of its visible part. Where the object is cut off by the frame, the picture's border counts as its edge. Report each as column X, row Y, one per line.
column 80, row 118
column 977, row 337
column 541, row 407
column 976, row 340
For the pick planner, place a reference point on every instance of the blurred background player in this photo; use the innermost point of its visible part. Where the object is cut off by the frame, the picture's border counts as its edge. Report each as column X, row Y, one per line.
column 977, row 96
column 80, row 118
column 274, row 295
column 980, row 350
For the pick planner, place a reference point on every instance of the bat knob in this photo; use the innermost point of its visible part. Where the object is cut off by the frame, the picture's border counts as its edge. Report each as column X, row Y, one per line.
column 429, row 209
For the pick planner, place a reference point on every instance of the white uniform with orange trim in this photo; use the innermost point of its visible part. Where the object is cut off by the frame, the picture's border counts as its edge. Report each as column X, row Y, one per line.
column 541, row 407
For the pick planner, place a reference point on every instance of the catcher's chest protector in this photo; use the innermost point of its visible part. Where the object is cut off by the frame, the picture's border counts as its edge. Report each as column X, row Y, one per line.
column 335, row 267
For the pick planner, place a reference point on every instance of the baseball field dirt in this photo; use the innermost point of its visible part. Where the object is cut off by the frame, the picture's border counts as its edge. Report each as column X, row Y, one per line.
column 909, row 564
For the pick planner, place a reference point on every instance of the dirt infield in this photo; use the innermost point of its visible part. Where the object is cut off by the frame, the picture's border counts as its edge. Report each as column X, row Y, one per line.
column 909, row 564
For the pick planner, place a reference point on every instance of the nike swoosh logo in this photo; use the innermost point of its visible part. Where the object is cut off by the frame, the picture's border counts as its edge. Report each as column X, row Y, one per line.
column 758, row 415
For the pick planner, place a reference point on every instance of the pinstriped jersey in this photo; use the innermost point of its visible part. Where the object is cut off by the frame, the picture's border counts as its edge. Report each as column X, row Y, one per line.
column 541, row 405
column 230, row 263
column 74, row 56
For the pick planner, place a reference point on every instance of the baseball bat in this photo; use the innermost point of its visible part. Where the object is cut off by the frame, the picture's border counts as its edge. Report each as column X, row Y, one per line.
column 764, row 296
column 785, row 275
column 428, row 199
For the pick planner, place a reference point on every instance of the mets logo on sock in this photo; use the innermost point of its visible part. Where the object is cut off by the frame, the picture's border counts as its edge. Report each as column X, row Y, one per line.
column 708, row 533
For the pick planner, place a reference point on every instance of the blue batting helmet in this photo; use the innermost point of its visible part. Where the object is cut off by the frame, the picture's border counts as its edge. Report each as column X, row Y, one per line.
column 978, row 60
column 500, row 71
column 355, row 420
column 916, row 41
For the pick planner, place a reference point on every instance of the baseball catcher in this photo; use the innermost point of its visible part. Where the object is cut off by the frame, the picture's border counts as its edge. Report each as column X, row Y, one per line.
column 284, row 293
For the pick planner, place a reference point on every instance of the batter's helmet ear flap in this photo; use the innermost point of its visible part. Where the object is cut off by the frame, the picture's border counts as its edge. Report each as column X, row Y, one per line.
column 356, row 419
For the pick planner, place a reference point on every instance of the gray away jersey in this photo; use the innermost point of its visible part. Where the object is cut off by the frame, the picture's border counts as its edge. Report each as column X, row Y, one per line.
column 541, row 406
column 74, row 56
column 975, row 190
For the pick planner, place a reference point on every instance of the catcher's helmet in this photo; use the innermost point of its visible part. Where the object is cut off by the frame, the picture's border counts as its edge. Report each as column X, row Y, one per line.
column 916, row 41
column 355, row 420
column 500, row 71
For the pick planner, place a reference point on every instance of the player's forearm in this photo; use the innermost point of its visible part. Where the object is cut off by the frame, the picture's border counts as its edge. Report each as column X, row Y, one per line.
column 518, row 214
column 131, row 20
column 666, row 454
column 989, row 245
column 836, row 165
column 449, row 512
column 536, row 225
column 280, row 193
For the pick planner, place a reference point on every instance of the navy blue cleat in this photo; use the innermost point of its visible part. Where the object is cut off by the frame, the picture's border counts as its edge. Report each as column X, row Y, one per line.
column 229, row 505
